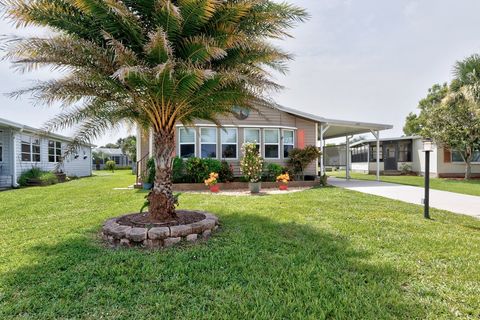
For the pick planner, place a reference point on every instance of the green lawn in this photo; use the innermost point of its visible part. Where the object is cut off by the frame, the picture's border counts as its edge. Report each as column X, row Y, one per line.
column 322, row 253
column 471, row 187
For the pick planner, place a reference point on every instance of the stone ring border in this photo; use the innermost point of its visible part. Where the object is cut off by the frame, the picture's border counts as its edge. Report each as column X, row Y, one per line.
column 117, row 235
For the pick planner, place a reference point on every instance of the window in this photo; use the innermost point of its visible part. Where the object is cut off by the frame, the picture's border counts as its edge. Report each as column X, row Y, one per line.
column 272, row 142
column 30, row 149
column 208, row 142
column 229, row 143
column 359, row 154
column 405, row 151
column 252, row 136
column 373, row 153
column 457, row 156
column 288, row 142
column 54, row 151
column 187, row 143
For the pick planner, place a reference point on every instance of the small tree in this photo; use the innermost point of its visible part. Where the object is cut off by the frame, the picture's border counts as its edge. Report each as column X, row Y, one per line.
column 110, row 165
column 301, row 158
column 251, row 164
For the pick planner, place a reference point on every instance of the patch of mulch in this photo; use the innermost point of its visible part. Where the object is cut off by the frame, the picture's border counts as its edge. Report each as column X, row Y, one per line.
column 144, row 220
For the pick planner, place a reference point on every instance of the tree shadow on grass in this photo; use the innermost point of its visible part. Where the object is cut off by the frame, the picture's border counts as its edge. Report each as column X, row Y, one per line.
column 252, row 268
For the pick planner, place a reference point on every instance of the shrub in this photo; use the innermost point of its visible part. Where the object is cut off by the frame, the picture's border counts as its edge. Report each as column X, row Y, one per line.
column 178, row 170
column 110, row 165
column 226, row 172
column 273, row 171
column 151, row 171
column 199, row 169
column 251, row 163
column 301, row 158
column 44, row 177
column 405, row 169
column 212, row 165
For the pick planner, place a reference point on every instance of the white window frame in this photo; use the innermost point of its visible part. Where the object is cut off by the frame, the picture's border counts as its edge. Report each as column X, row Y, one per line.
column 30, row 143
column 209, row 143
column 283, row 141
column 229, row 144
column 57, row 158
column 180, row 143
column 259, row 143
column 271, row 144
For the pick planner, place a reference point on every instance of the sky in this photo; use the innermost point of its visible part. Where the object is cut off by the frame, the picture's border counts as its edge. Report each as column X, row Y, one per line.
column 369, row 60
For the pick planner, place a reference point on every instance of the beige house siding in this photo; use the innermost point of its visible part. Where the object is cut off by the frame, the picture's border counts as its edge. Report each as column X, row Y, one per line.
column 264, row 118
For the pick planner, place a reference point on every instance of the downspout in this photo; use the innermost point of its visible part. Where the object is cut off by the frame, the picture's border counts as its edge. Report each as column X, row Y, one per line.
column 14, row 159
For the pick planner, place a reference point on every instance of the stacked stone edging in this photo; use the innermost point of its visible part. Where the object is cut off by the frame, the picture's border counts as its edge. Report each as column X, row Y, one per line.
column 158, row 237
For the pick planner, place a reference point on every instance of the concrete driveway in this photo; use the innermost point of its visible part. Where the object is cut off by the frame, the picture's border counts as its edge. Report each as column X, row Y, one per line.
column 450, row 201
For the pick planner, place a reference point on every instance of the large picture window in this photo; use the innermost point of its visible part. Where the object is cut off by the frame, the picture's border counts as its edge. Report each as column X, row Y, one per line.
column 229, row 143
column 54, row 151
column 252, row 136
column 288, row 142
column 457, row 156
column 187, row 143
column 272, row 143
column 30, row 149
column 208, row 142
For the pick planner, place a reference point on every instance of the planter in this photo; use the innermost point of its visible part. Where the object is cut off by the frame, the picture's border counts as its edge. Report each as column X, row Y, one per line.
column 62, row 177
column 147, row 186
column 215, row 188
column 254, row 187
column 283, row 186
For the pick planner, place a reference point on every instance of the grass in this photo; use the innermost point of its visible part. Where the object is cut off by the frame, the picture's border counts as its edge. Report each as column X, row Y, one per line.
column 471, row 187
column 322, row 253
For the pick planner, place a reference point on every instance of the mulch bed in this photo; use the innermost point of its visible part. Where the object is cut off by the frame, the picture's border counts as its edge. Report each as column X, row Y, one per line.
column 144, row 220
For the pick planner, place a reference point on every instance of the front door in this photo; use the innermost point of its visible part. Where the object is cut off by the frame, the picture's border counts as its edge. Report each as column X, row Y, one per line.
column 390, row 157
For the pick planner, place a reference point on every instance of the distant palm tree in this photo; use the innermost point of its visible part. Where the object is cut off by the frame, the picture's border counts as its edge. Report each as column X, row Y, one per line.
column 466, row 83
column 153, row 63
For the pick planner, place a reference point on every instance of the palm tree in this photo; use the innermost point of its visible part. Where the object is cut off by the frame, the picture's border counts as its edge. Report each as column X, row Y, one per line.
column 152, row 63
column 466, row 81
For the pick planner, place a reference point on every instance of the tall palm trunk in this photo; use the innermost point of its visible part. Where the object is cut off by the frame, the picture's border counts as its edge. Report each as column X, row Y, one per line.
column 162, row 201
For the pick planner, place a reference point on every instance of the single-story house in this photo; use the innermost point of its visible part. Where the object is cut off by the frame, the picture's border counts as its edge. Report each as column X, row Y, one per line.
column 23, row 147
column 406, row 152
column 114, row 154
column 275, row 130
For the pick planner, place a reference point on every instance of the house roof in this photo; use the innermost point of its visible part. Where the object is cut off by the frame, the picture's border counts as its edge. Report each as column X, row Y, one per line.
column 385, row 139
column 25, row 128
column 335, row 128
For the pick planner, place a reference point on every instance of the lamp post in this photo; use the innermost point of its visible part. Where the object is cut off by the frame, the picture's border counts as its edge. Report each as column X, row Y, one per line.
column 427, row 148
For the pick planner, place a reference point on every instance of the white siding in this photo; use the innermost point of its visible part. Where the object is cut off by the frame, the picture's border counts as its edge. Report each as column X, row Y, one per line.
column 73, row 167
column 6, row 163
column 454, row 169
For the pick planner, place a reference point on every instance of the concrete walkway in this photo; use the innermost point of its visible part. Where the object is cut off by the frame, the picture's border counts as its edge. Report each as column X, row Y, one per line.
column 450, row 201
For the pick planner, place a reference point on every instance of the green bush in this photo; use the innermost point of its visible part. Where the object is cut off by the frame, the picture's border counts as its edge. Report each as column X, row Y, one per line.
column 301, row 158
column 151, row 171
column 178, row 170
column 273, row 171
column 198, row 170
column 110, row 165
column 45, row 177
column 226, row 172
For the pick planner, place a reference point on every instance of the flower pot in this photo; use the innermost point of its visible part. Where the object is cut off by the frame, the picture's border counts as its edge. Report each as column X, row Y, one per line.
column 147, row 186
column 283, row 186
column 215, row 188
column 254, row 187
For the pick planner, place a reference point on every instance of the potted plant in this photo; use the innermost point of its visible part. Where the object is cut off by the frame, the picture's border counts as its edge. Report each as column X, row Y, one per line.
column 212, row 182
column 251, row 166
column 283, row 180
column 148, row 177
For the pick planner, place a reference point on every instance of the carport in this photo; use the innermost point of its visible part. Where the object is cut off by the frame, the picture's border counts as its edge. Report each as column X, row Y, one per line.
column 334, row 129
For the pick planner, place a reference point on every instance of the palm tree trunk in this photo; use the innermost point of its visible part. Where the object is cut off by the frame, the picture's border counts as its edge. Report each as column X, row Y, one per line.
column 162, row 201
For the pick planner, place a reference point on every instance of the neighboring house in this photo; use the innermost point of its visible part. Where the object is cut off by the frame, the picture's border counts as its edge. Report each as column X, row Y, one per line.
column 396, row 153
column 23, row 147
column 275, row 130
column 115, row 154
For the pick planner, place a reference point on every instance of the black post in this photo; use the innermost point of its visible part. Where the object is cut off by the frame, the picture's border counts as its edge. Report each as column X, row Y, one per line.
column 426, row 212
